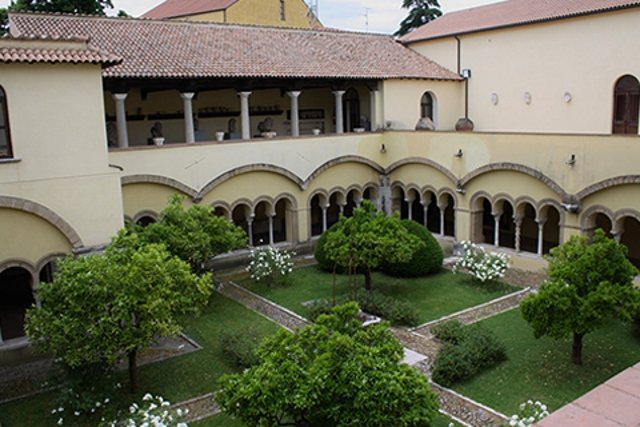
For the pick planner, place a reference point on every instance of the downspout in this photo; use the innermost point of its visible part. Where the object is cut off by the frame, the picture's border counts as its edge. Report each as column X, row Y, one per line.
column 458, row 52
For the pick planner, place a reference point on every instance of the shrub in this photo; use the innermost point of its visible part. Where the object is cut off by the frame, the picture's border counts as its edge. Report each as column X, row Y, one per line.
column 318, row 307
column 426, row 260
column 396, row 312
column 240, row 349
column 482, row 265
column 270, row 264
column 476, row 349
column 451, row 331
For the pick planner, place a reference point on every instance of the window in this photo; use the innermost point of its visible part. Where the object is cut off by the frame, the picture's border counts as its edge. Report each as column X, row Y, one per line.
column 625, row 106
column 5, row 136
column 426, row 106
column 282, row 15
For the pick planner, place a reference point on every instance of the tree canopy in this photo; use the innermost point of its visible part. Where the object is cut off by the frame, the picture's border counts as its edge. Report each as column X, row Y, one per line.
column 589, row 282
column 363, row 241
column 101, row 308
column 89, row 7
column 420, row 12
column 334, row 372
column 194, row 235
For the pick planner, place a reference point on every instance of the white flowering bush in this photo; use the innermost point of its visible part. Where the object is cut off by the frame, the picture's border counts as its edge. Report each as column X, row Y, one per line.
column 529, row 413
column 153, row 412
column 270, row 264
column 482, row 265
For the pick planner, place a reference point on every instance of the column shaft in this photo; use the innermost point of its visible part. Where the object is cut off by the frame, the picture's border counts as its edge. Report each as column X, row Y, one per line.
column 339, row 116
column 189, row 132
column 373, row 110
column 121, row 119
column 245, row 118
column 295, row 117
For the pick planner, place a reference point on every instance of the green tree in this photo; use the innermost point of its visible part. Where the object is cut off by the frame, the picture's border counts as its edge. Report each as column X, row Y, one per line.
column 420, row 12
column 334, row 372
column 589, row 282
column 101, row 308
column 88, row 7
column 363, row 241
column 194, row 235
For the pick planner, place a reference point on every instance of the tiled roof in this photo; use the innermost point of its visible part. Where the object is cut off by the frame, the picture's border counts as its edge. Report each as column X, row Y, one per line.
column 38, row 50
column 166, row 49
column 176, row 8
column 511, row 13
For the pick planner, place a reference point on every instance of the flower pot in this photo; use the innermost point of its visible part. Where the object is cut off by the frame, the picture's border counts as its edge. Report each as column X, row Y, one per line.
column 316, row 131
column 158, row 141
column 219, row 136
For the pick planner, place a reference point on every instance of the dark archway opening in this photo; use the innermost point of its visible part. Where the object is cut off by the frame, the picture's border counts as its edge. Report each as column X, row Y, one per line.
column 16, row 296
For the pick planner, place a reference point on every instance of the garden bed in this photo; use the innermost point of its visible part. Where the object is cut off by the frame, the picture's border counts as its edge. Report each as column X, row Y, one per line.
column 433, row 296
column 540, row 369
column 177, row 379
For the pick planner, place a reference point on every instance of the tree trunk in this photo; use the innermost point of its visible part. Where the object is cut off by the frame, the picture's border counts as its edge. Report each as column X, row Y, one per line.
column 576, row 354
column 367, row 279
column 133, row 371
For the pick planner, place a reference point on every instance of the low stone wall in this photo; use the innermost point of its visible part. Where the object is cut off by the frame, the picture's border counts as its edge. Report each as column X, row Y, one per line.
column 278, row 314
column 479, row 312
column 199, row 407
column 469, row 411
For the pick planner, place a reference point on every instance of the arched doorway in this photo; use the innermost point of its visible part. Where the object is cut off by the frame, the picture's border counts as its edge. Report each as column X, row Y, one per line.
column 450, row 217
column 145, row 220
column 333, row 211
column 316, row 216
column 280, row 221
column 240, row 217
column 261, row 224
column 626, row 104
column 432, row 219
column 351, row 110
column 551, row 230
column 507, row 236
column 528, row 229
column 604, row 222
column 631, row 239
column 488, row 223
column 351, row 203
column 16, row 296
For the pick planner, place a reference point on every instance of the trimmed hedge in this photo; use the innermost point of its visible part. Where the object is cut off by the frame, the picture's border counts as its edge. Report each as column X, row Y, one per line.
column 388, row 308
column 240, row 349
column 451, row 331
column 426, row 260
column 467, row 351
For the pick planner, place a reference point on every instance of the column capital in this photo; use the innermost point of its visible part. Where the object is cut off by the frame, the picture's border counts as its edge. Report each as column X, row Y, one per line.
column 187, row 95
column 119, row 96
column 244, row 94
column 339, row 92
column 294, row 93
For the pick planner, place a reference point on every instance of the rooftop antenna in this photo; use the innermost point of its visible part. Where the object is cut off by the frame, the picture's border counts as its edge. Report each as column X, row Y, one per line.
column 313, row 9
column 366, row 18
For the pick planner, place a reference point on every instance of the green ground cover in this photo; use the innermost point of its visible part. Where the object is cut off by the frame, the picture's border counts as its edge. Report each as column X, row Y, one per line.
column 223, row 420
column 175, row 379
column 433, row 296
column 540, row 369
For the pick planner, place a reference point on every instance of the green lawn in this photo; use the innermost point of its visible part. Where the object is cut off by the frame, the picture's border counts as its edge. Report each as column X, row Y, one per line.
column 175, row 379
column 223, row 420
column 540, row 369
column 433, row 297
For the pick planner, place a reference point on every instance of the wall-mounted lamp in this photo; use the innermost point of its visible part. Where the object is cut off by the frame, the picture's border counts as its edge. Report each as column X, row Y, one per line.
column 459, row 153
column 459, row 189
column 567, row 97
column 466, row 73
column 383, row 149
column 572, row 161
column 527, row 98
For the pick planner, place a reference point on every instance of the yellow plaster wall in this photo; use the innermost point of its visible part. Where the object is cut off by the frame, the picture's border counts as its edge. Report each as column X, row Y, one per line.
column 583, row 56
column 267, row 12
column 57, row 131
column 146, row 197
column 401, row 102
column 28, row 237
column 217, row 16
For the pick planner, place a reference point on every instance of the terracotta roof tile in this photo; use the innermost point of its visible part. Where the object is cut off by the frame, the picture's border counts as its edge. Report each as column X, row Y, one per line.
column 510, row 13
column 72, row 50
column 176, row 8
column 167, row 49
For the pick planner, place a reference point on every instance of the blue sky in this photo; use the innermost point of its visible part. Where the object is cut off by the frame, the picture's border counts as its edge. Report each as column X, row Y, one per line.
column 383, row 15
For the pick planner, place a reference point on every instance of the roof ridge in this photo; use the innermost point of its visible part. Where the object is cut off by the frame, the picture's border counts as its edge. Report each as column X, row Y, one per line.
column 203, row 23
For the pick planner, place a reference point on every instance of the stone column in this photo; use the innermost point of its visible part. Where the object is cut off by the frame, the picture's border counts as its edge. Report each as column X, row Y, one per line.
column 409, row 209
column 324, row 217
column 121, row 119
column 496, row 232
column 426, row 214
column 295, row 118
column 245, row 119
column 189, row 132
column 540, row 238
column 373, row 111
column 339, row 116
column 442, row 208
column 271, row 229
column 518, row 224
column 250, row 229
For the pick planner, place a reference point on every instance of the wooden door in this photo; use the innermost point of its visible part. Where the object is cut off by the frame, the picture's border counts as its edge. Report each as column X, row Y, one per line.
column 626, row 103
